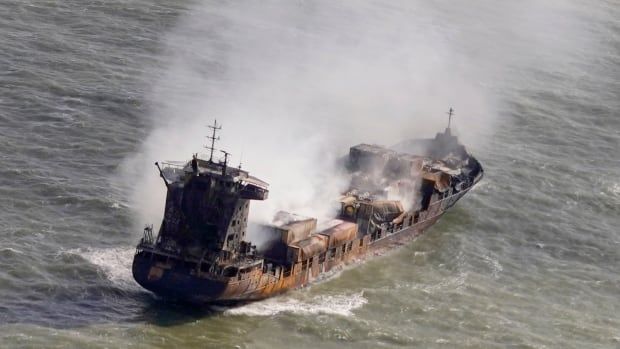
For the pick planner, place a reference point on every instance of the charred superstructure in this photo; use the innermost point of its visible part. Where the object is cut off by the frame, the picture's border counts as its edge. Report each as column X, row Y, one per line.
column 202, row 254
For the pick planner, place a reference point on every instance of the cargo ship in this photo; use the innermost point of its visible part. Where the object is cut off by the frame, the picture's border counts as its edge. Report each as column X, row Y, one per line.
column 202, row 252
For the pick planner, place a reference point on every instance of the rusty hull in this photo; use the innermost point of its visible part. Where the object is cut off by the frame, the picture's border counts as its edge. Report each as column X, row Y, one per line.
column 201, row 254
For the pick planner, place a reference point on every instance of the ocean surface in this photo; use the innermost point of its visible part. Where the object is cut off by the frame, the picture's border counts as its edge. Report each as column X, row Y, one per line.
column 93, row 92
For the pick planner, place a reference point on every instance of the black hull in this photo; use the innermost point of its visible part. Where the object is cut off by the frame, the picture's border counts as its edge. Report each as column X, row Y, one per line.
column 177, row 283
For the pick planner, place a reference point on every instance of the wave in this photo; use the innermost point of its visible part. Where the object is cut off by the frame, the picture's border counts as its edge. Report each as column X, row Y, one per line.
column 343, row 305
column 114, row 262
column 494, row 264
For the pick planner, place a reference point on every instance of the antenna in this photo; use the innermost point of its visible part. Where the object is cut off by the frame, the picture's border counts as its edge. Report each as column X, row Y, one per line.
column 240, row 160
column 450, row 114
column 215, row 127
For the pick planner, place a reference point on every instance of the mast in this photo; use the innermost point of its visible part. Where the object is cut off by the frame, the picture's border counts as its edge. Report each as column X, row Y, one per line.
column 215, row 127
column 450, row 113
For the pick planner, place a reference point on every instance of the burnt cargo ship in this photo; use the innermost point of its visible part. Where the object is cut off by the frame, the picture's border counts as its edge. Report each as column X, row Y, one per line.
column 201, row 253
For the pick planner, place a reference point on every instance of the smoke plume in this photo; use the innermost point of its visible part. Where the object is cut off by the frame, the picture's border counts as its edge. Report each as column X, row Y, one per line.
column 295, row 84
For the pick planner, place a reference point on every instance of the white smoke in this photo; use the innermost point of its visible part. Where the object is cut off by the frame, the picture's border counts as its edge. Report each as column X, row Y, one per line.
column 294, row 85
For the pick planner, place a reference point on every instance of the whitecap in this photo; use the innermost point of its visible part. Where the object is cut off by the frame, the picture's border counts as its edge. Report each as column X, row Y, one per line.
column 12, row 250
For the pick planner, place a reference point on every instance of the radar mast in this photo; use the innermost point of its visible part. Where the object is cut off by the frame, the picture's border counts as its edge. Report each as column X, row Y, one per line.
column 450, row 114
column 215, row 127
